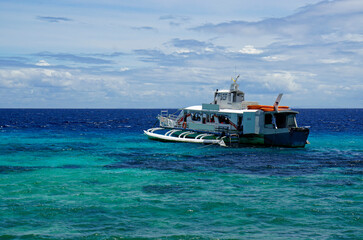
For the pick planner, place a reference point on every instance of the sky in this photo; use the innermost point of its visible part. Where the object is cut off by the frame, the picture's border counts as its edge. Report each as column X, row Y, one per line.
column 173, row 54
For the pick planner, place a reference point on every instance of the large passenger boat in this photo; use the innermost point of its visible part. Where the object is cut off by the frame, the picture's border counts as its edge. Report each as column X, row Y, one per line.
column 231, row 121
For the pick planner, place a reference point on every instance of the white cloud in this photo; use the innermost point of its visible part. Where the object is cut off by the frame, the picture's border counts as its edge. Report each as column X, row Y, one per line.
column 275, row 81
column 124, row 69
column 75, row 80
column 32, row 77
column 249, row 49
column 326, row 20
column 336, row 90
column 42, row 63
column 340, row 37
column 183, row 50
column 332, row 8
column 12, row 74
column 275, row 58
column 281, row 81
column 333, row 61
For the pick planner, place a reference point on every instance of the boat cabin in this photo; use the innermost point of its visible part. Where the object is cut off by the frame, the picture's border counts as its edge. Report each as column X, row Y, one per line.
column 230, row 112
column 241, row 121
column 232, row 98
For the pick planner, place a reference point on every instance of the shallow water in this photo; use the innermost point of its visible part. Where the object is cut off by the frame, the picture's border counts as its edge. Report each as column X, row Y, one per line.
column 92, row 174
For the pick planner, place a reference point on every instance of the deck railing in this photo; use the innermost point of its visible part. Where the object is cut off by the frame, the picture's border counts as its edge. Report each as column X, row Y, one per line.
column 168, row 120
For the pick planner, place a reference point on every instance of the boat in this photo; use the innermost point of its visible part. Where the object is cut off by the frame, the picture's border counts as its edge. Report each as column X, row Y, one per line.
column 229, row 120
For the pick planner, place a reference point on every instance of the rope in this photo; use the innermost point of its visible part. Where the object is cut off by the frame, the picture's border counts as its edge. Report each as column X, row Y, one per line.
column 155, row 123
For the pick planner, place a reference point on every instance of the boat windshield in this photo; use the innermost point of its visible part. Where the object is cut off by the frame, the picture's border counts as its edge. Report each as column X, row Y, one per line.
column 280, row 120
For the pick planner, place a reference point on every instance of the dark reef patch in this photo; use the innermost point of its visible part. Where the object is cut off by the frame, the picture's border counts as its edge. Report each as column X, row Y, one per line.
column 164, row 189
column 16, row 169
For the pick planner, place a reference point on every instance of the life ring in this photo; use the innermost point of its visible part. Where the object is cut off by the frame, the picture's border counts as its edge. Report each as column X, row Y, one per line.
column 184, row 125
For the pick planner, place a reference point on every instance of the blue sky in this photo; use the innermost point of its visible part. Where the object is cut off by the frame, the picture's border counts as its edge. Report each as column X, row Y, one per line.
column 171, row 54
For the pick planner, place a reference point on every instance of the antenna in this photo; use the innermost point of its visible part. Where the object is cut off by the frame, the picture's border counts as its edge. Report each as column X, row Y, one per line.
column 235, row 80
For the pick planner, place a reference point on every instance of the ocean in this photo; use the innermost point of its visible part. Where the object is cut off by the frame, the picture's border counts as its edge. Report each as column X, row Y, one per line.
column 92, row 174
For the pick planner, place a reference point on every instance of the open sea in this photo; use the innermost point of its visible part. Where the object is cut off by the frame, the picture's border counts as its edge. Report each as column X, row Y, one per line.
column 92, row 174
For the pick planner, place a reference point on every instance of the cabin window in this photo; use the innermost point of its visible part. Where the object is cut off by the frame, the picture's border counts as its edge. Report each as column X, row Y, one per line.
column 234, row 96
column 223, row 119
column 280, row 120
column 268, row 119
column 223, row 96
column 196, row 117
column 240, row 96
column 229, row 97
column 212, row 119
column 205, row 118
column 291, row 121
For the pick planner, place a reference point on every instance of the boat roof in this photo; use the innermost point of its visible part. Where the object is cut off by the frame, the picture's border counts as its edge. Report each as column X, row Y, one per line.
column 225, row 110
column 222, row 110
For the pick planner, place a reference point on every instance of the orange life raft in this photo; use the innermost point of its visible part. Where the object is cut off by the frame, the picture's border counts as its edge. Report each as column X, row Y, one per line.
column 267, row 108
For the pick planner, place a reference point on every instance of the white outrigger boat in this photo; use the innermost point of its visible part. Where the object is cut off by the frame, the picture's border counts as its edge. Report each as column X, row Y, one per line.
column 230, row 120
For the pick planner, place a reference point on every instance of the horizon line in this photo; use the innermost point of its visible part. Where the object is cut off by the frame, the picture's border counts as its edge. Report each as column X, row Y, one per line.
column 59, row 108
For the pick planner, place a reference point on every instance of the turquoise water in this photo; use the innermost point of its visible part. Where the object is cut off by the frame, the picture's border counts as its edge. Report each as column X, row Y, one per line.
column 94, row 175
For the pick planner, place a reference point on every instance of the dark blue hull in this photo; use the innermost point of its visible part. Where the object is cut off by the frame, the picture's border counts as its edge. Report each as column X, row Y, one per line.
column 296, row 137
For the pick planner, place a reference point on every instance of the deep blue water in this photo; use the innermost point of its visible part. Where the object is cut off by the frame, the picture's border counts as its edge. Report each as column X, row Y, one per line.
column 92, row 174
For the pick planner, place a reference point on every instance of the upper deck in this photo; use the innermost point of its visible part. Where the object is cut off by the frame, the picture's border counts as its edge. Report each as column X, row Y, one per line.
column 204, row 108
column 232, row 98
